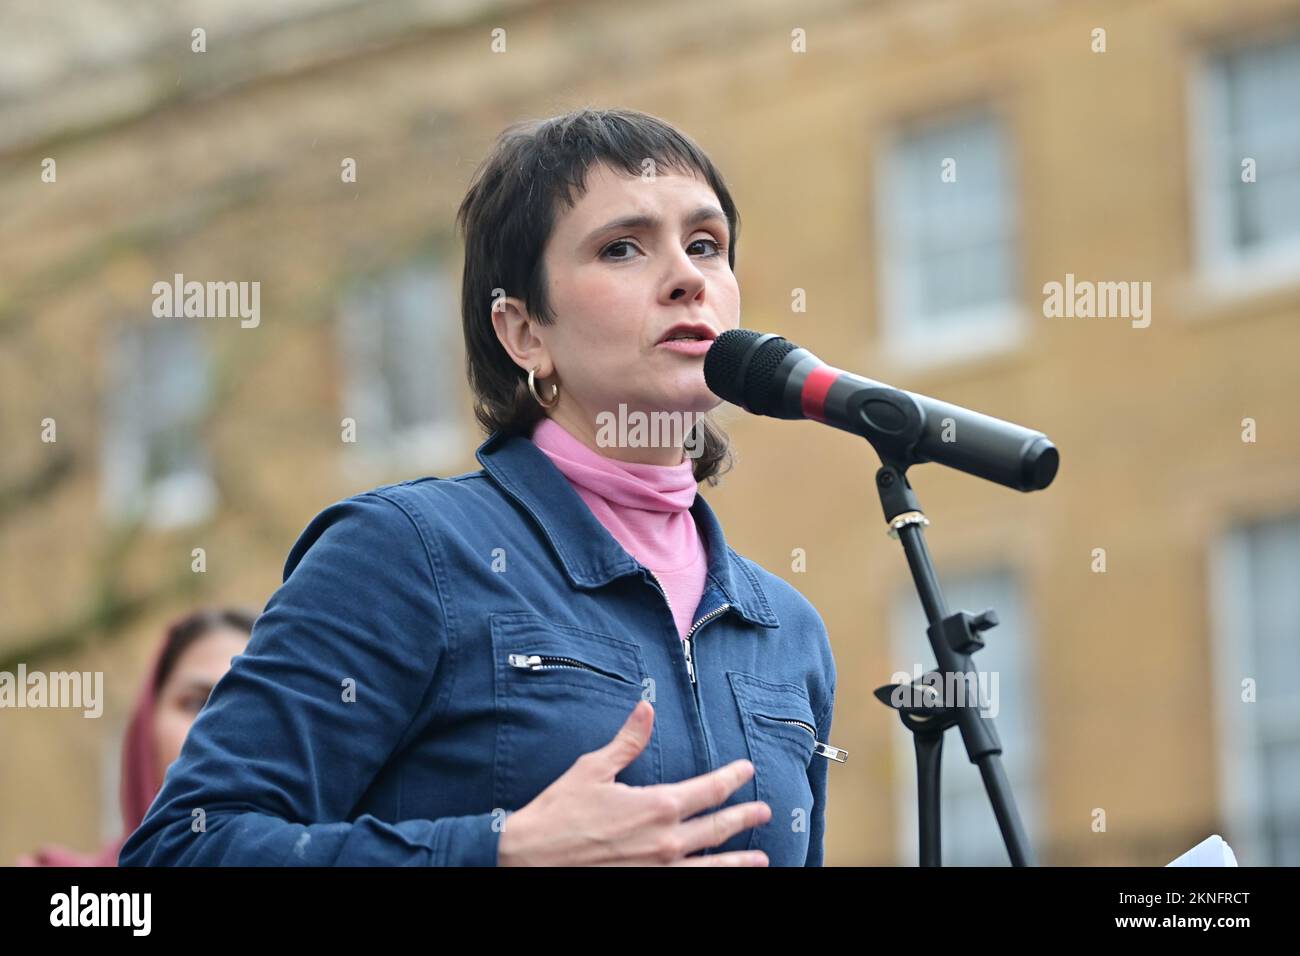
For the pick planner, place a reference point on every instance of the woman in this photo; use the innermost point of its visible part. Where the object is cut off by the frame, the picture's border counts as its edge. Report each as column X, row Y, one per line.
column 555, row 659
column 192, row 657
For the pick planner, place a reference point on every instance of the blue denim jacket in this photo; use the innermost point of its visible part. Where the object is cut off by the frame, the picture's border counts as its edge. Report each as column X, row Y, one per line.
column 442, row 649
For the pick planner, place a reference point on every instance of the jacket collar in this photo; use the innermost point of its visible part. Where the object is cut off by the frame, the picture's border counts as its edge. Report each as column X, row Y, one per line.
column 589, row 554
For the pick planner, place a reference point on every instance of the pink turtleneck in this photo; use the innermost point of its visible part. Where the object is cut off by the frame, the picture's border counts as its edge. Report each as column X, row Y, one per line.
column 644, row 507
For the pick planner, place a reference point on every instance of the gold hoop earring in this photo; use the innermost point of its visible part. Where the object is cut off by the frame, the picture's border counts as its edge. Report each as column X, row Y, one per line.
column 532, row 387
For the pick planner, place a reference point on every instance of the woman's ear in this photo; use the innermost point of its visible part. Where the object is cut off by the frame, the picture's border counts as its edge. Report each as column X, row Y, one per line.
column 515, row 330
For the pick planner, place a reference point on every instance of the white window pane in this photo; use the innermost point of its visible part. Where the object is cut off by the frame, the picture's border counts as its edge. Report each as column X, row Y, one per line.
column 963, row 278
column 949, row 247
column 1282, row 784
column 159, row 386
column 1258, row 589
column 400, row 345
column 1254, row 112
column 1270, row 209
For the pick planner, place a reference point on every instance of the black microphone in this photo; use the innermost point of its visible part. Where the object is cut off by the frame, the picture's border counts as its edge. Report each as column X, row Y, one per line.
column 766, row 374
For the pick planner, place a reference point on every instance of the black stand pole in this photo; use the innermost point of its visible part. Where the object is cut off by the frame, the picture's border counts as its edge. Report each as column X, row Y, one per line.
column 924, row 707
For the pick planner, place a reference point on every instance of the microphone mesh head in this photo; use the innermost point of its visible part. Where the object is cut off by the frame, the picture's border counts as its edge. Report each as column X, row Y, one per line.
column 762, row 391
column 725, row 363
column 722, row 364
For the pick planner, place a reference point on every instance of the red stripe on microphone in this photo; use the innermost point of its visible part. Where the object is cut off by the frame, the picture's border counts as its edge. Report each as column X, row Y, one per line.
column 815, row 387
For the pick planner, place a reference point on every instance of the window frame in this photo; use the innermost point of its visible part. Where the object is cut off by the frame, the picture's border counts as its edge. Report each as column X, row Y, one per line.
column 431, row 444
column 127, row 494
column 1222, row 266
column 912, row 338
column 1237, row 729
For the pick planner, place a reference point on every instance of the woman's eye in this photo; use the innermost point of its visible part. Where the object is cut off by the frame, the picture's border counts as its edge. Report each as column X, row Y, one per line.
column 717, row 246
column 614, row 245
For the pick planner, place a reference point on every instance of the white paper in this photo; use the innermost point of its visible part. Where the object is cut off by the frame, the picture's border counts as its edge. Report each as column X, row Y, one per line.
column 1211, row 851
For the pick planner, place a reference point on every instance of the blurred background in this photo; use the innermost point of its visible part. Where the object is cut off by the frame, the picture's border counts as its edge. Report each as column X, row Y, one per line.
column 1149, row 650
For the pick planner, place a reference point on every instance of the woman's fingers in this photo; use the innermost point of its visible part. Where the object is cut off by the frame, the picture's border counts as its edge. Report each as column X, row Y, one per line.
column 714, row 829
column 604, row 763
column 661, row 824
column 700, row 833
column 735, row 858
column 706, row 790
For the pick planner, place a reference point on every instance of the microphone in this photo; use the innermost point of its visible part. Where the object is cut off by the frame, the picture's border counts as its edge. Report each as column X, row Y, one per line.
column 766, row 374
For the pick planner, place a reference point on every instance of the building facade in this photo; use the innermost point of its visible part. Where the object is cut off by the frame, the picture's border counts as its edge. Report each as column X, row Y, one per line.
column 1082, row 217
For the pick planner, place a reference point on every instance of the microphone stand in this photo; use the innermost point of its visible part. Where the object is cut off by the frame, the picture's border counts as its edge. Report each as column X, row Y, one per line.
column 894, row 421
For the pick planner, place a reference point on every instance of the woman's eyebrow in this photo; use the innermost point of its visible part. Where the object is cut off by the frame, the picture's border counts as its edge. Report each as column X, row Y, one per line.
column 642, row 221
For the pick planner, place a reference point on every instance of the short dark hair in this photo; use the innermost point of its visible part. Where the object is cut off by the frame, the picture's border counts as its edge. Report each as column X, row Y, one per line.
column 507, row 216
column 185, row 631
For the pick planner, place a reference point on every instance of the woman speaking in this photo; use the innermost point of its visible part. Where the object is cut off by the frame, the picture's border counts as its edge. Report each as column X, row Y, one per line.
column 556, row 659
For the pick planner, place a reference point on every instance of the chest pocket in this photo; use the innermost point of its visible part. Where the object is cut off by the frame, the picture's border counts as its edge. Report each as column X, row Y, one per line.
column 780, row 731
column 561, row 691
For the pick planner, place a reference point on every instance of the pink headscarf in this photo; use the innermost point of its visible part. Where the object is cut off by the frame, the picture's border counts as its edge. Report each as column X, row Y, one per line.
column 139, row 781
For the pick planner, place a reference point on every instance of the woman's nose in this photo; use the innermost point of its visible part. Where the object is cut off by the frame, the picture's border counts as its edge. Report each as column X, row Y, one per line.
column 686, row 280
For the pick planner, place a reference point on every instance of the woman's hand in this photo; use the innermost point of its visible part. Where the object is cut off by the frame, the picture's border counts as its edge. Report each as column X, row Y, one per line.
column 586, row 818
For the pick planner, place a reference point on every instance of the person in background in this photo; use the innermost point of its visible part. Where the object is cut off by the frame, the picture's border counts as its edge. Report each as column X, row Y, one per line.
column 195, row 653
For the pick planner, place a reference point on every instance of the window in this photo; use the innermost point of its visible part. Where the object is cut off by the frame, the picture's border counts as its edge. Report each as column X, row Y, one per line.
column 155, row 467
column 1247, row 106
column 1255, row 575
column 969, row 834
column 949, row 263
column 402, row 354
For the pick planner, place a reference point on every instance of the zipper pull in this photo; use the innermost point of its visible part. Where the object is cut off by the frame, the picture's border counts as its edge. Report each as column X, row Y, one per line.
column 690, row 664
column 831, row 753
column 524, row 660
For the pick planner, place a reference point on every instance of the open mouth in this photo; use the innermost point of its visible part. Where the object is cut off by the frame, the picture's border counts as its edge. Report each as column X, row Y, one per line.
column 688, row 333
column 693, row 345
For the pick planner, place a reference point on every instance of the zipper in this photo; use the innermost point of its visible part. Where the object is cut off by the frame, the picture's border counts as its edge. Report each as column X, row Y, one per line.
column 798, row 723
column 664, row 590
column 542, row 662
column 819, row 748
column 690, row 662
column 686, row 642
